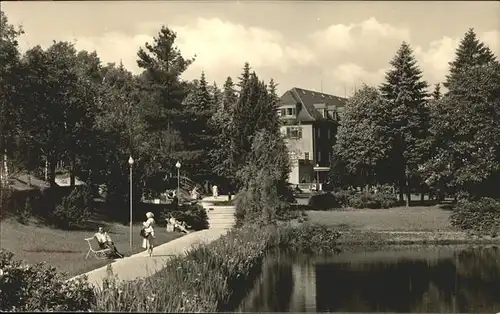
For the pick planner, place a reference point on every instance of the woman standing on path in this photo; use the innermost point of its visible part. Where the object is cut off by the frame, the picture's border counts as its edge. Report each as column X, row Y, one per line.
column 149, row 233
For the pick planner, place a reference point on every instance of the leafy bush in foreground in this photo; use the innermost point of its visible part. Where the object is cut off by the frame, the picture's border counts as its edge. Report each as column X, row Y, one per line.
column 482, row 216
column 211, row 278
column 40, row 288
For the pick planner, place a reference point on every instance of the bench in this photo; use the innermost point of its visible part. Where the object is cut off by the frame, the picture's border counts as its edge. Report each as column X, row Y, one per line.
column 99, row 253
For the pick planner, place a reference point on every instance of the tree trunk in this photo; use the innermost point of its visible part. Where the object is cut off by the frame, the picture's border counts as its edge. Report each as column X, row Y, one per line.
column 401, row 191
column 29, row 178
column 5, row 165
column 1, row 171
column 72, row 170
column 408, row 192
column 408, row 197
column 422, row 197
column 52, row 172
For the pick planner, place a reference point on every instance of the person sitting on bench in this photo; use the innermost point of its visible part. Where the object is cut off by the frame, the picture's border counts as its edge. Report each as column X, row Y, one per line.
column 105, row 241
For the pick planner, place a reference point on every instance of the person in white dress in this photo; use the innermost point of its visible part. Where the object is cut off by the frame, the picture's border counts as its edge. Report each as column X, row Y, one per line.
column 194, row 194
column 215, row 191
column 170, row 223
column 147, row 242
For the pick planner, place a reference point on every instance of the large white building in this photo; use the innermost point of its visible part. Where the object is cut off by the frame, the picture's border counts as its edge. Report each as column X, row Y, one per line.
column 310, row 121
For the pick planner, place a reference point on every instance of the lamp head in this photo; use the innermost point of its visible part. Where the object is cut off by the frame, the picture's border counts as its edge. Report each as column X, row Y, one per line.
column 130, row 160
column 178, row 165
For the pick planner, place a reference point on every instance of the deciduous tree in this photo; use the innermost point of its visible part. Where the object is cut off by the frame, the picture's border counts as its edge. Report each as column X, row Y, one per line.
column 10, row 95
column 364, row 141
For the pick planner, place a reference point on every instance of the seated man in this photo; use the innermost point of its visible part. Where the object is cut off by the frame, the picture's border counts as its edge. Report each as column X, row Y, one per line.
column 105, row 242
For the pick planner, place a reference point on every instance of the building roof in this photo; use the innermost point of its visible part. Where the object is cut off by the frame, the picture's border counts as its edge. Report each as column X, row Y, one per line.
column 311, row 101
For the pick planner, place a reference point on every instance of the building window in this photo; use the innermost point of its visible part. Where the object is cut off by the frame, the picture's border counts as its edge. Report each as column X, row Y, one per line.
column 306, row 156
column 318, row 157
column 283, row 112
column 294, row 132
column 290, row 111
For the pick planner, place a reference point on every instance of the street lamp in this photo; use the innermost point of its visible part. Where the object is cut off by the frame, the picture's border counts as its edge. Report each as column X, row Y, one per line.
column 178, row 166
column 131, row 163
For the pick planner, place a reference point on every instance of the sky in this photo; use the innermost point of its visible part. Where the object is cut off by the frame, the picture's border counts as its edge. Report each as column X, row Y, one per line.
column 318, row 45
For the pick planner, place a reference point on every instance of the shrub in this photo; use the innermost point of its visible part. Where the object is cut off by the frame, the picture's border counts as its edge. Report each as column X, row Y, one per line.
column 40, row 288
column 364, row 200
column 296, row 212
column 481, row 216
column 372, row 200
column 343, row 196
column 73, row 210
column 212, row 278
column 265, row 195
column 386, row 199
column 5, row 195
column 324, row 201
column 194, row 216
column 24, row 214
column 262, row 202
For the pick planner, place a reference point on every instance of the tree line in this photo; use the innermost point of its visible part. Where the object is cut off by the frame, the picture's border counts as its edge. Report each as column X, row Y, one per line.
column 62, row 106
column 400, row 133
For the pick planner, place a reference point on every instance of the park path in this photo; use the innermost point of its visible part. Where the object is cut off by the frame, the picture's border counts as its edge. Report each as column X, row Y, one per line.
column 141, row 265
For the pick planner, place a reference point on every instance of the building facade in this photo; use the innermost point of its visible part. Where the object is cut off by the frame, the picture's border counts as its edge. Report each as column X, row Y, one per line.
column 310, row 121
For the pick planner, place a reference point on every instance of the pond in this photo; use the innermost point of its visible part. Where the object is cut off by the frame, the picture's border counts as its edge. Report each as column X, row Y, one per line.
column 418, row 279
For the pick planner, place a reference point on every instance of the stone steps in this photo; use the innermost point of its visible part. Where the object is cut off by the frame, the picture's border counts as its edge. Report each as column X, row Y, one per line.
column 221, row 219
column 221, row 214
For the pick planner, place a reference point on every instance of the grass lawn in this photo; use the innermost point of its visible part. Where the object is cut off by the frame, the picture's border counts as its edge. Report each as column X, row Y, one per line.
column 418, row 218
column 66, row 250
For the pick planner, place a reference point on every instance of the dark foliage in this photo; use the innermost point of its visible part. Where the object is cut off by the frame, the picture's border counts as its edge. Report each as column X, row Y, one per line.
column 324, row 201
column 372, row 200
column 40, row 288
column 195, row 216
column 478, row 216
column 73, row 210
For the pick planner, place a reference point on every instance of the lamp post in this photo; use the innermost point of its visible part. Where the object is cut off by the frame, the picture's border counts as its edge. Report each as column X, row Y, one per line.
column 131, row 163
column 178, row 166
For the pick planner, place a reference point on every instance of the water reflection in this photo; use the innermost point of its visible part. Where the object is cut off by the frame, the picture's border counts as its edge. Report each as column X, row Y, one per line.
column 446, row 279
